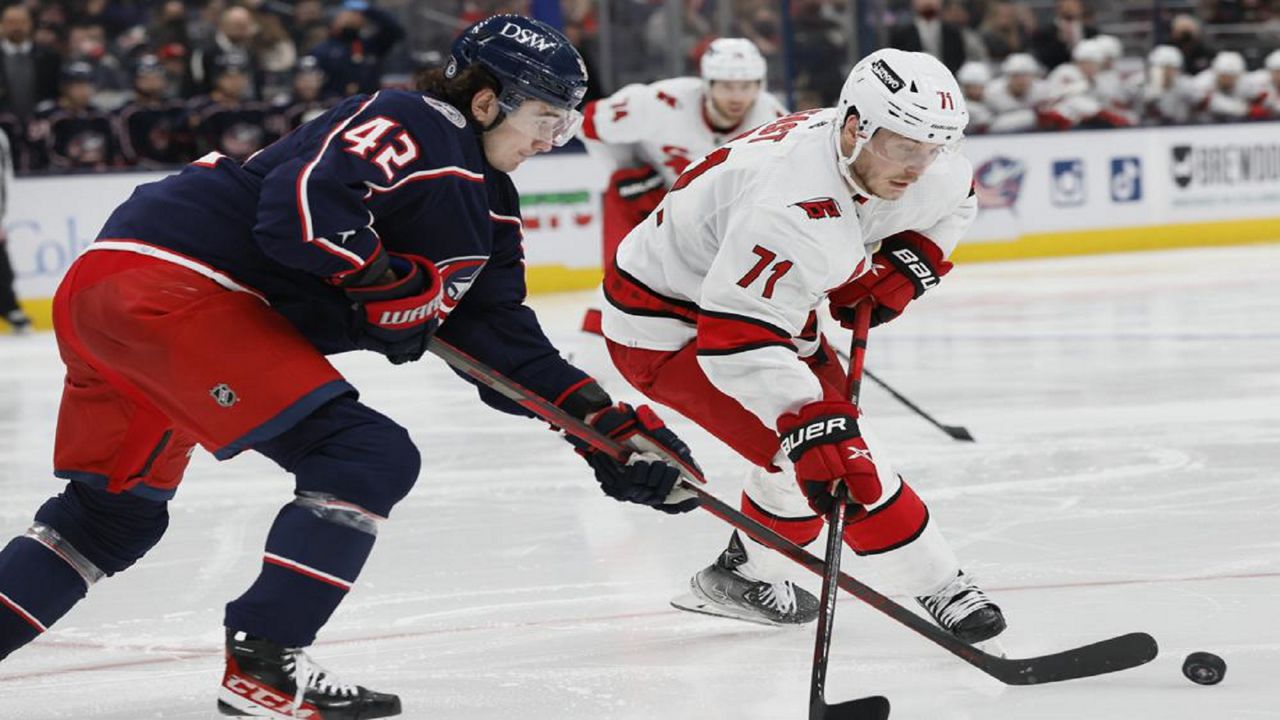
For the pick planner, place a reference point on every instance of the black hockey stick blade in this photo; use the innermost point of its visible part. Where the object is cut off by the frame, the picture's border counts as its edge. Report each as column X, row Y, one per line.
column 875, row 707
column 958, row 433
column 1108, row 656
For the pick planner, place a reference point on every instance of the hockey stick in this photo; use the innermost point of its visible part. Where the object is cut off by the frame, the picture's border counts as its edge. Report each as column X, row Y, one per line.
column 1107, row 656
column 956, row 432
column 869, row 708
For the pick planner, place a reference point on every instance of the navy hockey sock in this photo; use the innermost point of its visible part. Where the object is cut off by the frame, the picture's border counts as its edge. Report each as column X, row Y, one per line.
column 37, row 586
column 314, row 553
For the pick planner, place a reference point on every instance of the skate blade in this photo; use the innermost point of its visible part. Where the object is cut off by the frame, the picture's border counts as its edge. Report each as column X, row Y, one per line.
column 691, row 603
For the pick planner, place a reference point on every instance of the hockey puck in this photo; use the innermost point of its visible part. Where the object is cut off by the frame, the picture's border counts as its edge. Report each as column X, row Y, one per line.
column 1204, row 668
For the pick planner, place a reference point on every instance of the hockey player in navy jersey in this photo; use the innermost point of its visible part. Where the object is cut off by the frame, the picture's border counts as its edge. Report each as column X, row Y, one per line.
column 203, row 312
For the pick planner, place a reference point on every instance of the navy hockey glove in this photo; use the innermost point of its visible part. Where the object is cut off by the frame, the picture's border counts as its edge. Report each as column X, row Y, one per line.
column 643, row 479
column 398, row 313
column 908, row 264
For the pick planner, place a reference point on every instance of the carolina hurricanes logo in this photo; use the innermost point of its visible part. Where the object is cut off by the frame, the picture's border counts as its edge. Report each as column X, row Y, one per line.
column 457, row 274
column 819, row 208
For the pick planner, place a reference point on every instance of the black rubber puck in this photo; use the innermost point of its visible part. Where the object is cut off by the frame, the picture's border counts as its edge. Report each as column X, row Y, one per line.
column 1204, row 668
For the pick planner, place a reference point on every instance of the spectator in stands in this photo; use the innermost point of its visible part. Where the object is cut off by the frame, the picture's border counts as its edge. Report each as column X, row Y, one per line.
column 1188, row 38
column 169, row 25
column 87, row 43
column 28, row 72
column 177, row 70
column 928, row 32
column 71, row 133
column 1006, row 29
column 307, row 100
column 820, row 48
column 224, row 121
column 307, row 26
column 273, row 48
column 957, row 14
column 10, row 311
column 361, row 36
column 1052, row 45
column 150, row 128
column 235, row 36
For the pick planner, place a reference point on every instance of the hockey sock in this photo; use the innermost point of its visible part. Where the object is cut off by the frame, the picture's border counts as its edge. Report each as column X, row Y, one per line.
column 41, row 578
column 314, row 553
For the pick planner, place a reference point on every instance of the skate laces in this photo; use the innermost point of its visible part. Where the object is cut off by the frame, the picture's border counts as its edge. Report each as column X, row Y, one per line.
column 780, row 596
column 954, row 602
column 309, row 675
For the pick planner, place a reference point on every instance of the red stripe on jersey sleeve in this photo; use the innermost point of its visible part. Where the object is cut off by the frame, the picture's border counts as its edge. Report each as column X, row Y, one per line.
column 631, row 296
column 589, row 121
column 721, row 333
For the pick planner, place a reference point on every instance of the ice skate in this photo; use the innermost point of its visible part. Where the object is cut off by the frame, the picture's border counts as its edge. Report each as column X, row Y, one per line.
column 721, row 590
column 263, row 679
column 963, row 609
column 18, row 321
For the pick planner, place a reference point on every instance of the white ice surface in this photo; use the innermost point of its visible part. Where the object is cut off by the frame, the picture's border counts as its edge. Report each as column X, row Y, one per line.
column 1127, row 411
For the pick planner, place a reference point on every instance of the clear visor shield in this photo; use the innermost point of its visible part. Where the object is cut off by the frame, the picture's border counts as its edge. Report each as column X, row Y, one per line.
column 904, row 151
column 540, row 120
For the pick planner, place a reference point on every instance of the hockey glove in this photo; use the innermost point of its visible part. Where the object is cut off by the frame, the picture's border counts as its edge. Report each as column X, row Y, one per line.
column 826, row 447
column 397, row 314
column 906, row 265
column 644, row 479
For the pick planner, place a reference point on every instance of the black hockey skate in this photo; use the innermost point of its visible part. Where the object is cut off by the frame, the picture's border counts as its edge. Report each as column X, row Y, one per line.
column 263, row 679
column 963, row 609
column 722, row 591
column 18, row 321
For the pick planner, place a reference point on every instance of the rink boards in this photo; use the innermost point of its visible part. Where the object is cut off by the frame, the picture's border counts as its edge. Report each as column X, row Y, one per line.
column 1041, row 195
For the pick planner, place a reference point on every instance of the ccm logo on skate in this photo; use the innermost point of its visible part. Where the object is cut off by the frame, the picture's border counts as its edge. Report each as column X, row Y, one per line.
column 819, row 208
column 525, row 36
column 263, row 697
column 908, row 260
column 797, row 440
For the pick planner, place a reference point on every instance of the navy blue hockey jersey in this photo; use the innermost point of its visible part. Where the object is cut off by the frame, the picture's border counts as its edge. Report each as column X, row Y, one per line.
column 397, row 170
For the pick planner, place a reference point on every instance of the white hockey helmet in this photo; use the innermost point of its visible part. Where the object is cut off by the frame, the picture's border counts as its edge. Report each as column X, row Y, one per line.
column 974, row 73
column 1112, row 48
column 911, row 93
column 1020, row 64
column 1165, row 56
column 1272, row 61
column 1088, row 51
column 1228, row 62
column 732, row 59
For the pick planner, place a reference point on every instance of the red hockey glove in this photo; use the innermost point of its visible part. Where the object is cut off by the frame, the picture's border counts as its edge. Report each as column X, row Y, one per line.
column 644, row 479
column 908, row 264
column 826, row 447
column 398, row 314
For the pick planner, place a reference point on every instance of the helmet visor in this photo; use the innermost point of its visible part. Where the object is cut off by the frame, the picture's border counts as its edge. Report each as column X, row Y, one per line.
column 540, row 120
column 902, row 150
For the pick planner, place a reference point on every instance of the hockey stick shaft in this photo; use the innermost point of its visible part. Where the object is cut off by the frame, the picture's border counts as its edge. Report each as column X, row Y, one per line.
column 955, row 431
column 1110, row 655
column 818, row 707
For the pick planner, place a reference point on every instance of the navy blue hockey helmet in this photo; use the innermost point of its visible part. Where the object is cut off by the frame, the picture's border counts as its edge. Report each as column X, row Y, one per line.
column 529, row 58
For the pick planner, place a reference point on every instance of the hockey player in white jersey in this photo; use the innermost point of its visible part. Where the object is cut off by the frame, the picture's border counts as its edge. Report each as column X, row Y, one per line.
column 1168, row 95
column 1016, row 97
column 712, row 310
column 1264, row 86
column 974, row 77
column 1078, row 96
column 1224, row 96
column 649, row 134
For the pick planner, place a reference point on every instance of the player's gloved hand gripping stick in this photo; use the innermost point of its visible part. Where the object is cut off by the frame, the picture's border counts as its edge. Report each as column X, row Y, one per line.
column 1106, row 656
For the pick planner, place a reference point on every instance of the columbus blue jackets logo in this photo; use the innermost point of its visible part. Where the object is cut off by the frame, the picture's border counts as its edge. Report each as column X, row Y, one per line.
column 458, row 274
column 224, row 395
column 998, row 182
column 819, row 208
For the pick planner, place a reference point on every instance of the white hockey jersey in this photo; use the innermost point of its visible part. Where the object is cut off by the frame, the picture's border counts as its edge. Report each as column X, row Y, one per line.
column 743, row 251
column 664, row 124
column 1011, row 113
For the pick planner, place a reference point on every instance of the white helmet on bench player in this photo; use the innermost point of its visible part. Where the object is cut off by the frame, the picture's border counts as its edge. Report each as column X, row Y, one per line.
column 911, row 93
column 732, row 59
